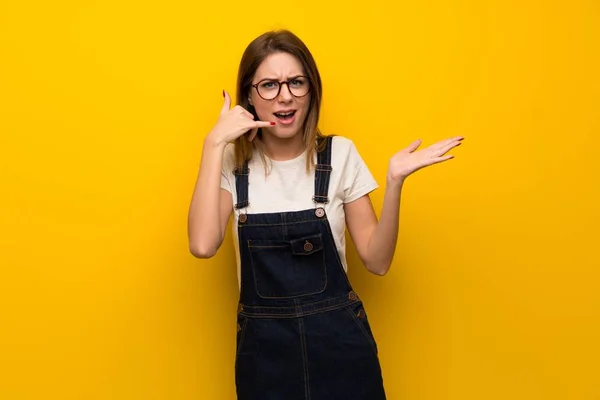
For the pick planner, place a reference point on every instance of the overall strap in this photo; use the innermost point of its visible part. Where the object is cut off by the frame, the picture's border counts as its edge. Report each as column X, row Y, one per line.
column 322, row 175
column 323, row 172
column 241, row 185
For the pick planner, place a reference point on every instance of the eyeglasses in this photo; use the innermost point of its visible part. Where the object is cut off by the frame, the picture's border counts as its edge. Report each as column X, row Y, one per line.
column 269, row 89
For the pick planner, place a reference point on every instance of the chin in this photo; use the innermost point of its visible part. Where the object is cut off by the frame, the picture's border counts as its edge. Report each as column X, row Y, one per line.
column 283, row 132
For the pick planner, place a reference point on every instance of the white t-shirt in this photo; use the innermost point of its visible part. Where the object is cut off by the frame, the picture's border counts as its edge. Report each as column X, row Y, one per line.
column 288, row 187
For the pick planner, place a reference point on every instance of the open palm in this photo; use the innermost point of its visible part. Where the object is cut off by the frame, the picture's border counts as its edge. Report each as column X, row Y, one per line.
column 409, row 160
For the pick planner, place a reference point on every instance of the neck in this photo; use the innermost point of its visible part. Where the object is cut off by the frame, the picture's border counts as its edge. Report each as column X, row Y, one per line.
column 282, row 149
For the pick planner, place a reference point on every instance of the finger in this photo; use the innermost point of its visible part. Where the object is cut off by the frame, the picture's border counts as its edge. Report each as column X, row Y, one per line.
column 263, row 124
column 442, row 147
column 245, row 112
column 252, row 134
column 444, row 158
column 447, row 148
column 438, row 160
column 445, row 142
column 413, row 146
column 226, row 102
column 452, row 139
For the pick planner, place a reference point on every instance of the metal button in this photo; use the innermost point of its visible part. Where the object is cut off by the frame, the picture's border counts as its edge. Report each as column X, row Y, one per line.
column 308, row 246
column 352, row 296
column 361, row 313
column 243, row 218
column 320, row 212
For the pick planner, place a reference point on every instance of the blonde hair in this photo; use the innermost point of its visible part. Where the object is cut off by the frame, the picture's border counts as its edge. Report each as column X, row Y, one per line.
column 260, row 48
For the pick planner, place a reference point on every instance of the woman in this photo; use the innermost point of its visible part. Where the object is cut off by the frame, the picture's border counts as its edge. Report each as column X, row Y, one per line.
column 302, row 330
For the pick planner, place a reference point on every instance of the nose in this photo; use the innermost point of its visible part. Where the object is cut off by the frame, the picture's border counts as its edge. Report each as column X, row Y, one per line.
column 285, row 94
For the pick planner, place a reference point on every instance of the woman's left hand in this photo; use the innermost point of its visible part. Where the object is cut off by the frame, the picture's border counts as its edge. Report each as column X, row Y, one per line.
column 409, row 160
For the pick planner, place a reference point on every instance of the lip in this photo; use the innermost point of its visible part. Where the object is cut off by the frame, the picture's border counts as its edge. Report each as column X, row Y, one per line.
column 288, row 121
column 284, row 111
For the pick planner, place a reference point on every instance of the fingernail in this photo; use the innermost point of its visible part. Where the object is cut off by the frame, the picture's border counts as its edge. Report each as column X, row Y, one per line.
column 272, row 123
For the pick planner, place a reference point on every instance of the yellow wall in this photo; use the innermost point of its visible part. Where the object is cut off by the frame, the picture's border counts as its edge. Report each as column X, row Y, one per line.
column 495, row 291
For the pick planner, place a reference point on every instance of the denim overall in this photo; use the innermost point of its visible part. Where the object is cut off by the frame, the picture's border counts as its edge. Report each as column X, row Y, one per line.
column 303, row 332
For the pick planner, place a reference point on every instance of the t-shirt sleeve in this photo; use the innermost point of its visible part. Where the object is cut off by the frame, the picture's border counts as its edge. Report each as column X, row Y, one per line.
column 358, row 179
column 227, row 178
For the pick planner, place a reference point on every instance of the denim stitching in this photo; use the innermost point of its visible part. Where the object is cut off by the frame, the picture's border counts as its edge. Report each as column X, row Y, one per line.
column 304, row 359
column 343, row 298
column 298, row 313
column 281, row 223
column 321, row 290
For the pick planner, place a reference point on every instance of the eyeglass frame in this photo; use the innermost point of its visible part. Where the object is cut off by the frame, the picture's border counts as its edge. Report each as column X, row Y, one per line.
column 281, row 83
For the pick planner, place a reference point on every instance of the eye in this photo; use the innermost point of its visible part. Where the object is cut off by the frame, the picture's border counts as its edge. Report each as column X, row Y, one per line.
column 298, row 82
column 269, row 84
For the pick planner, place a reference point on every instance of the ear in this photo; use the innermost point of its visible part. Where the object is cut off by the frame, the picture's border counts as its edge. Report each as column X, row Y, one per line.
column 250, row 100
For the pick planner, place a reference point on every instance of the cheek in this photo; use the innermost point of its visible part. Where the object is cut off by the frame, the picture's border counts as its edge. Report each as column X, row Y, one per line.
column 303, row 105
column 262, row 110
column 304, row 102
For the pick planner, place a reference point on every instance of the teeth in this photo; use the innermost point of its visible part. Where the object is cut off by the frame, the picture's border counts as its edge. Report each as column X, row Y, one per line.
column 284, row 114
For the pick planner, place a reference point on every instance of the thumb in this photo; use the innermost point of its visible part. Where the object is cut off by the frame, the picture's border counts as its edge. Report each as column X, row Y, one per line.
column 226, row 102
column 413, row 146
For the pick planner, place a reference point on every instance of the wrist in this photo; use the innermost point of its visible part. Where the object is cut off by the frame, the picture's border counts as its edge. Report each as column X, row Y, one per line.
column 211, row 141
column 395, row 183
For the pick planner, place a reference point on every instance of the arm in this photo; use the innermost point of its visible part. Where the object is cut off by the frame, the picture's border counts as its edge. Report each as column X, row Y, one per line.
column 211, row 206
column 375, row 241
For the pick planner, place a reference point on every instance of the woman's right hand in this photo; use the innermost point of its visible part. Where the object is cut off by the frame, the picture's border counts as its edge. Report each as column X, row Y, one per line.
column 233, row 123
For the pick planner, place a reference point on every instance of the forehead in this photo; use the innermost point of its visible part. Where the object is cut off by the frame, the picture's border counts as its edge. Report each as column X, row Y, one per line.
column 279, row 66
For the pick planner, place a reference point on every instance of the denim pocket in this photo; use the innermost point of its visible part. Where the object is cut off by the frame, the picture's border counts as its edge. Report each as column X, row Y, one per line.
column 359, row 316
column 290, row 268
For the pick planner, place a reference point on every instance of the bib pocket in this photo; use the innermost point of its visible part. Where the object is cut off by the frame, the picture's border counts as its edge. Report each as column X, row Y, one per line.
column 290, row 268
